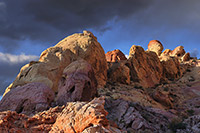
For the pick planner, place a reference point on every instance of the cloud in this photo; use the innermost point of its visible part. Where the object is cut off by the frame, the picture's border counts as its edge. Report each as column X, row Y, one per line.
column 10, row 66
column 194, row 52
column 49, row 20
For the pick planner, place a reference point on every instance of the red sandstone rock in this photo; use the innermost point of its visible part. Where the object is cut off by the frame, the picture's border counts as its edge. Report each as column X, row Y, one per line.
column 155, row 46
column 119, row 73
column 171, row 67
column 78, row 83
column 146, row 66
column 115, row 56
column 76, row 117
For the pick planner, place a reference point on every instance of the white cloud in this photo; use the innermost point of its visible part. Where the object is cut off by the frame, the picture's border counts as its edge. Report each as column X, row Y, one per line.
column 15, row 59
column 126, row 56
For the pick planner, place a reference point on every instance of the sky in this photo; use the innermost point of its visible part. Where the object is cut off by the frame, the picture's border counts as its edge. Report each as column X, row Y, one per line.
column 28, row 27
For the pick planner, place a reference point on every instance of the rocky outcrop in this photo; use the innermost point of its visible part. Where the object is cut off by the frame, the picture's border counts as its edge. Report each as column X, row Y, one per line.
column 28, row 99
column 77, row 117
column 72, row 118
column 146, row 66
column 178, row 51
column 78, row 83
column 115, row 56
column 118, row 73
column 155, row 46
column 171, row 67
column 85, row 45
column 186, row 57
column 49, row 68
column 134, row 118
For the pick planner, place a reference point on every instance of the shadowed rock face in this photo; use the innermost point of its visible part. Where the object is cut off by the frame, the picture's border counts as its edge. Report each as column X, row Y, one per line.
column 119, row 73
column 115, row 56
column 27, row 99
column 78, row 83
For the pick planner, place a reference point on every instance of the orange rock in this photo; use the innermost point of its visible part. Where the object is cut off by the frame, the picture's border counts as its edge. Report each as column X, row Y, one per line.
column 146, row 66
column 178, row 51
column 115, row 55
column 155, row 46
column 76, row 117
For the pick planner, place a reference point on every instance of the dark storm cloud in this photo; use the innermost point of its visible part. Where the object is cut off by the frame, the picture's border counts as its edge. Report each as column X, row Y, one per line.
column 49, row 20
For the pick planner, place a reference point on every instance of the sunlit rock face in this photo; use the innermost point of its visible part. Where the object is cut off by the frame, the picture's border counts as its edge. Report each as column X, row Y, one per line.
column 155, row 46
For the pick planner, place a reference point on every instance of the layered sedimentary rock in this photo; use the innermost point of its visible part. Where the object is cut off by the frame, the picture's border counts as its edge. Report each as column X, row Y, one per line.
column 115, row 56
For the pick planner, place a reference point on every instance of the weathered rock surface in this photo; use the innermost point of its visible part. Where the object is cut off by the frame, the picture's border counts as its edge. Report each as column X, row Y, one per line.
column 78, row 116
column 78, row 83
column 134, row 118
column 27, row 99
column 155, row 46
column 171, row 67
column 72, row 118
column 115, row 56
column 146, row 66
column 178, row 51
column 118, row 72
column 85, row 45
column 186, row 57
column 163, row 98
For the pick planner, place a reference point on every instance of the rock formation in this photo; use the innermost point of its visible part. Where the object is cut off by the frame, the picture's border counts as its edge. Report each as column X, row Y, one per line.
column 155, row 46
column 75, row 87
column 115, row 56
column 146, row 66
column 78, row 83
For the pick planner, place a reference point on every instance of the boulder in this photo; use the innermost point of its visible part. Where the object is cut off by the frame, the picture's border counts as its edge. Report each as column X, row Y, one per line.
column 146, row 66
column 115, row 56
column 27, row 99
column 155, row 46
column 85, row 45
column 78, row 83
column 178, row 51
column 119, row 73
